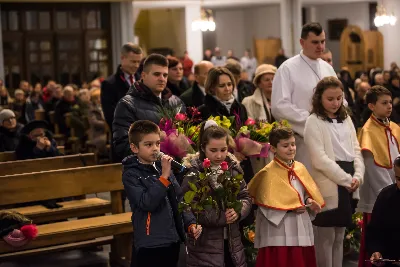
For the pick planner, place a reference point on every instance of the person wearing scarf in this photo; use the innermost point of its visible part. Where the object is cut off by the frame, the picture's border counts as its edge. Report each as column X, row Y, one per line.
column 379, row 142
column 219, row 101
column 287, row 199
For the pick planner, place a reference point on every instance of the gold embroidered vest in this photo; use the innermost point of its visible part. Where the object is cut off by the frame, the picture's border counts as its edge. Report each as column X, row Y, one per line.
column 373, row 137
column 271, row 186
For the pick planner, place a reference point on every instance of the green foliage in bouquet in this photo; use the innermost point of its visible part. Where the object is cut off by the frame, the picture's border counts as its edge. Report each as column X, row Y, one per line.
column 249, row 249
column 169, row 112
column 352, row 237
column 226, row 189
column 259, row 131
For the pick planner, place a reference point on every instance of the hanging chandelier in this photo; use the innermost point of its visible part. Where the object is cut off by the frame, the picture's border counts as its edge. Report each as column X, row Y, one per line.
column 205, row 22
column 382, row 18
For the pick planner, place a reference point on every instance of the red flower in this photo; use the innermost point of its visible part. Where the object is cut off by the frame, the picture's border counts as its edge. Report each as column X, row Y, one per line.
column 206, row 163
column 180, row 117
column 360, row 223
column 30, row 231
column 224, row 166
column 249, row 121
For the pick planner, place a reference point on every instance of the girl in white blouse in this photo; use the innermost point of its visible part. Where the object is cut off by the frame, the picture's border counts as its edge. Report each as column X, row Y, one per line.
column 337, row 168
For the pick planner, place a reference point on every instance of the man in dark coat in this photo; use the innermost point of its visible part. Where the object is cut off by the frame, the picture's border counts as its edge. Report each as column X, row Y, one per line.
column 194, row 97
column 117, row 85
column 10, row 130
column 383, row 235
column 280, row 58
column 147, row 100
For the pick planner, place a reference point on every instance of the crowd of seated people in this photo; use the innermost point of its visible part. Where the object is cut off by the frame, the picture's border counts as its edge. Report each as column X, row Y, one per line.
column 67, row 110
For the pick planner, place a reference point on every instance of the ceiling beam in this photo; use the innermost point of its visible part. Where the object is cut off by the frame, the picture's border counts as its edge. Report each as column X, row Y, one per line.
column 145, row 4
column 151, row 4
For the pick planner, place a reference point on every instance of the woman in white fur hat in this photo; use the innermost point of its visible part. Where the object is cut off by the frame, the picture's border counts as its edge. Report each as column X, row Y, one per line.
column 258, row 105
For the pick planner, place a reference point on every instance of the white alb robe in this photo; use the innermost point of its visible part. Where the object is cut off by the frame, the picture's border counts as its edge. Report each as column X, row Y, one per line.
column 282, row 228
column 292, row 91
column 376, row 178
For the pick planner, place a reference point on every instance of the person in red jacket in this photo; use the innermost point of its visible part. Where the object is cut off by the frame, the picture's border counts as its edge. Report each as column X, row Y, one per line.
column 187, row 64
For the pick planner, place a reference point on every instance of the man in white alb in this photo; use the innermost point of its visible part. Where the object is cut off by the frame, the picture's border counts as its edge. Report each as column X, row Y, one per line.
column 294, row 84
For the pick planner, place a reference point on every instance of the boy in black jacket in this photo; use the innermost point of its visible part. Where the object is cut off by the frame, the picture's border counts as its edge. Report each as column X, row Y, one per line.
column 153, row 194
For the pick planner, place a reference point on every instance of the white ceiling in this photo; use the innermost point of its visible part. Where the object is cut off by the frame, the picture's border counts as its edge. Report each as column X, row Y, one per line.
column 229, row 3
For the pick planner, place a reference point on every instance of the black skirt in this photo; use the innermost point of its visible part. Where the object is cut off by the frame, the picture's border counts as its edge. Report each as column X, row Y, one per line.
column 341, row 216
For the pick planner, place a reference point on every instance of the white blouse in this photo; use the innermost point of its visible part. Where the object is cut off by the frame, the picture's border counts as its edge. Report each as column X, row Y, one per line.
column 341, row 141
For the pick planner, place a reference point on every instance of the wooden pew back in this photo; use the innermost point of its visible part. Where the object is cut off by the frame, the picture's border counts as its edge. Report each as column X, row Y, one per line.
column 10, row 155
column 7, row 156
column 46, row 164
column 40, row 114
column 27, row 187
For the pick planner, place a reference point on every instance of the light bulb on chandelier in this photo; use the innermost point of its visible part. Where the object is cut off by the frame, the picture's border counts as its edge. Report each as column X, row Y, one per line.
column 205, row 23
column 381, row 17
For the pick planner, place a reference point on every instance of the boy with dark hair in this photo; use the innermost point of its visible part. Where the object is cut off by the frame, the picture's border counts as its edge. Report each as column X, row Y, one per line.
column 378, row 140
column 283, row 191
column 144, row 101
column 153, row 194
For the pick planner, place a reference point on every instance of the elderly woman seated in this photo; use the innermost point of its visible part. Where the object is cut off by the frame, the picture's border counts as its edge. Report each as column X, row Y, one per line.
column 98, row 127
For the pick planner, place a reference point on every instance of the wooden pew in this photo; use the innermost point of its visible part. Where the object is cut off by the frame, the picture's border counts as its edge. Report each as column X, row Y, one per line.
column 77, row 208
column 10, row 155
column 46, row 164
column 72, row 139
column 7, row 156
column 22, row 188
column 60, row 138
column 40, row 114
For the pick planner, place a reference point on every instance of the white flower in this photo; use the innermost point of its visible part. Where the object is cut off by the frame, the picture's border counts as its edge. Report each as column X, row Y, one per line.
column 349, row 236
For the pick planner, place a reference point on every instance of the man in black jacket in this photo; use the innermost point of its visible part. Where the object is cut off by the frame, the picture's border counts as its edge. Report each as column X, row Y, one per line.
column 194, row 97
column 383, row 235
column 147, row 100
column 117, row 85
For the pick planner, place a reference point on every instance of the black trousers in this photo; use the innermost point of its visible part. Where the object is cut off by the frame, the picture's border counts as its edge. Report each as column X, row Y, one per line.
column 157, row 257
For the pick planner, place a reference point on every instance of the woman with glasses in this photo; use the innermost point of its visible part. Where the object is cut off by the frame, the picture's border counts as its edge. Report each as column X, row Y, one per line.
column 10, row 130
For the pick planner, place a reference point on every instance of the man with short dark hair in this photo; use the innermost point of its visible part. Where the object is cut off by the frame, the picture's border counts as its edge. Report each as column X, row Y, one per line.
column 294, row 84
column 194, row 97
column 117, row 85
column 146, row 100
